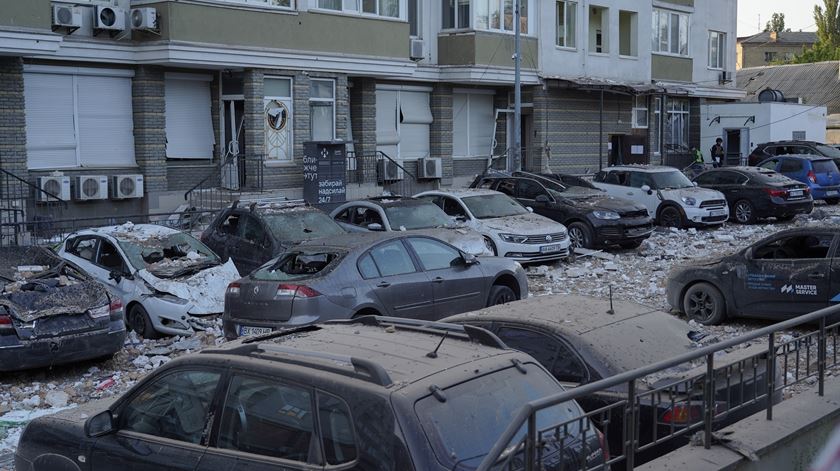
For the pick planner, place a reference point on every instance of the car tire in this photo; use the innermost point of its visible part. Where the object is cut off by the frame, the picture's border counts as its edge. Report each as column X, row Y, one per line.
column 670, row 216
column 635, row 244
column 138, row 321
column 743, row 212
column 500, row 294
column 704, row 303
column 580, row 236
column 488, row 242
column 832, row 201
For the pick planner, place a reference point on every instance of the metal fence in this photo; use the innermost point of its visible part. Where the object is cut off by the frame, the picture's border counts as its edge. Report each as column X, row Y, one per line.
column 698, row 403
column 395, row 177
column 235, row 176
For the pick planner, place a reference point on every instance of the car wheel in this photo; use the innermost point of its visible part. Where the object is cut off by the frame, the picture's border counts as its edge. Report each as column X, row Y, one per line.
column 580, row 236
column 500, row 295
column 744, row 212
column 490, row 246
column 138, row 321
column 670, row 216
column 704, row 303
column 832, row 201
column 631, row 245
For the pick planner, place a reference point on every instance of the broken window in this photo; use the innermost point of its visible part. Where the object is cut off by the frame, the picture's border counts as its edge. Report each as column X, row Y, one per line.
column 298, row 265
column 109, row 257
column 253, row 232
column 453, row 208
column 230, row 225
column 156, row 252
column 366, row 216
column 83, row 248
column 796, row 247
column 529, row 190
column 553, row 355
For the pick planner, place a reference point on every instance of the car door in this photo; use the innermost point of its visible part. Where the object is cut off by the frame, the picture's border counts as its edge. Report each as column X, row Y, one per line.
column 253, row 246
column 113, row 269
column 527, row 192
column 402, row 288
column 163, row 424
column 216, row 237
column 786, row 276
column 268, row 424
column 457, row 286
column 648, row 198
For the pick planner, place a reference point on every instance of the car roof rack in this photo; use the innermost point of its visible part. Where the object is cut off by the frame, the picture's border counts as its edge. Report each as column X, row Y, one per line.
column 469, row 332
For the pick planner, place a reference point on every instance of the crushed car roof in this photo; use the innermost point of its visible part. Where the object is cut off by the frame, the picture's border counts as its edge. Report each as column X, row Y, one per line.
column 130, row 231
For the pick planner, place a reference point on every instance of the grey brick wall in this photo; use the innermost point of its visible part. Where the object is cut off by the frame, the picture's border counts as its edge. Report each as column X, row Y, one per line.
column 12, row 116
column 149, row 109
column 363, row 114
column 440, row 132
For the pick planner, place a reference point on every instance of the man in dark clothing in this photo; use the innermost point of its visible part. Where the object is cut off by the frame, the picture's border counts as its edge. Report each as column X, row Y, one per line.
column 718, row 153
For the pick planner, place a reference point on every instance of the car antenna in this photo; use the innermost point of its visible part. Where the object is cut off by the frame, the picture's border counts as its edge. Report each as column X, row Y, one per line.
column 433, row 353
column 611, row 311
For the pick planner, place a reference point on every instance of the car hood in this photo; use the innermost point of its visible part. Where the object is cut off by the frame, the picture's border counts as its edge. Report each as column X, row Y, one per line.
column 606, row 203
column 27, row 301
column 525, row 224
column 465, row 239
column 701, row 194
column 205, row 290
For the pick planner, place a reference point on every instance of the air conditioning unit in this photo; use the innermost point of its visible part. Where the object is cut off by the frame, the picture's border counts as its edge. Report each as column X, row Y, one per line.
column 52, row 187
column 126, row 186
column 91, row 187
column 417, row 49
column 144, row 19
column 108, row 18
column 65, row 16
column 430, row 168
column 388, row 171
column 725, row 77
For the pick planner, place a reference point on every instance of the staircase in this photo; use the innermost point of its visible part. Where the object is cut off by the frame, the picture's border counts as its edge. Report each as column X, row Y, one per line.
column 237, row 178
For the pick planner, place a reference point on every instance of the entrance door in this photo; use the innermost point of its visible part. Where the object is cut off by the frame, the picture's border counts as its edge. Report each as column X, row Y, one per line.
column 233, row 175
column 736, row 143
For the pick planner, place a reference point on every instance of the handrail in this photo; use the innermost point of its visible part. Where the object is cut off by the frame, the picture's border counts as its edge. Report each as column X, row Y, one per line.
column 21, row 180
column 218, row 170
column 383, row 154
column 522, row 417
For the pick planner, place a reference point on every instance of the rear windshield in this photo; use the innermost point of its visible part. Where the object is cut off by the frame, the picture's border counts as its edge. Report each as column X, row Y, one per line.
column 486, row 405
column 771, row 177
column 824, row 166
column 296, row 226
column 493, row 206
column 297, row 265
column 828, row 151
column 416, row 216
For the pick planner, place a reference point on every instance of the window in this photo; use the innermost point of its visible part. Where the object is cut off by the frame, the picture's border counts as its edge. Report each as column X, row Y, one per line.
column 415, row 16
column 83, row 248
column 473, row 123
column 529, row 189
column 551, row 353
column 109, row 258
column 628, row 24
column 456, row 14
column 268, row 3
column 770, row 164
column 507, row 187
column 277, row 107
column 599, row 27
column 657, row 122
column 567, row 24
column 174, row 406
column 368, row 268
column 676, row 125
column 717, row 50
column 770, row 56
column 490, row 15
column 392, row 259
column 230, row 225
column 796, row 247
column 790, row 166
column 322, row 109
column 189, row 125
column 266, row 418
column 389, row 8
column 68, row 124
column 339, row 438
column 364, row 217
column 253, row 231
column 453, row 208
column 434, row 255
column 403, row 119
column 670, row 32
column 640, row 112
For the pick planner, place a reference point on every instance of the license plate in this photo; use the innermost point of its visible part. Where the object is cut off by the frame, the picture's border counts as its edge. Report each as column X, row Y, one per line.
column 551, row 248
column 796, row 193
column 246, row 330
column 718, row 212
column 832, row 193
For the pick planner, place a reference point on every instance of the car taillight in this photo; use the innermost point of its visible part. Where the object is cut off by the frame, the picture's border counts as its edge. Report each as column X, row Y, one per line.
column 6, row 322
column 296, row 291
column 775, row 192
column 116, row 308
column 687, row 413
column 100, row 311
column 812, row 176
column 233, row 289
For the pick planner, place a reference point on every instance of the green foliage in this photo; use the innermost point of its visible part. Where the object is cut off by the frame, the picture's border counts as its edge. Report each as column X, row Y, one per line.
column 827, row 47
column 776, row 23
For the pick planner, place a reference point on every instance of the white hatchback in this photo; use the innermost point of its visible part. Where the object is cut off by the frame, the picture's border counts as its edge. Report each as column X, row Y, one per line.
column 509, row 228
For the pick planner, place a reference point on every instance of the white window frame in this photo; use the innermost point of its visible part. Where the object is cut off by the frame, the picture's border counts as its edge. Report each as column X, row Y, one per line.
column 469, row 93
column 640, row 106
column 356, row 7
column 671, row 111
column 717, row 62
column 331, row 101
column 400, row 89
column 472, row 20
column 606, row 39
column 262, row 3
column 656, row 39
column 570, row 9
column 269, row 160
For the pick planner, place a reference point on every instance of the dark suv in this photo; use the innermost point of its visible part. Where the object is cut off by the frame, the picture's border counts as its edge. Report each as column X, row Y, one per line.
column 594, row 218
column 772, row 149
column 368, row 394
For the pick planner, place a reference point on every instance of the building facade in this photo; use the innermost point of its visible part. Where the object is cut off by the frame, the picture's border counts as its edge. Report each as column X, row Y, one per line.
column 169, row 90
column 770, row 47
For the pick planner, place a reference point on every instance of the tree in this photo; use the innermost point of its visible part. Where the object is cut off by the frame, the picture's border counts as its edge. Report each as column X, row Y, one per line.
column 827, row 48
column 776, row 24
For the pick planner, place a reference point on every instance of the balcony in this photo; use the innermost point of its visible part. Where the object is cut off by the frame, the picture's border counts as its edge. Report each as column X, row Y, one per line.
column 485, row 48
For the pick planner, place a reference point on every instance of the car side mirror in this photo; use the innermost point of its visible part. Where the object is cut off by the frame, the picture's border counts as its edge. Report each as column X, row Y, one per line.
column 542, row 199
column 100, row 424
column 530, row 209
column 694, row 183
column 647, row 189
column 469, row 259
column 375, row 226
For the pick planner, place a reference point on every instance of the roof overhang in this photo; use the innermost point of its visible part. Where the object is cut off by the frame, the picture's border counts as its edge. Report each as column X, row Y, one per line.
column 26, row 43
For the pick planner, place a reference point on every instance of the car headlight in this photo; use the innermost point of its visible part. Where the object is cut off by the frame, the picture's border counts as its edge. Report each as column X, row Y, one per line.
column 689, row 201
column 171, row 298
column 606, row 215
column 514, row 238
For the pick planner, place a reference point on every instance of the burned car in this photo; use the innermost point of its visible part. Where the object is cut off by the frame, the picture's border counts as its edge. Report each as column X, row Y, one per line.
column 165, row 277
column 788, row 274
column 52, row 313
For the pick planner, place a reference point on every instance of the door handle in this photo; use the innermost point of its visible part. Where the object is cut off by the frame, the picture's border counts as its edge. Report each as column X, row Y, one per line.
column 816, row 276
column 438, row 279
column 383, row 284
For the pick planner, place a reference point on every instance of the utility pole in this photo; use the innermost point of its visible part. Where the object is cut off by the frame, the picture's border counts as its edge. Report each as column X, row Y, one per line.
column 517, row 90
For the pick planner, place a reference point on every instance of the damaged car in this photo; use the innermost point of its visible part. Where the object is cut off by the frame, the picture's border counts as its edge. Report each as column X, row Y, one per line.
column 53, row 313
column 788, row 274
column 168, row 279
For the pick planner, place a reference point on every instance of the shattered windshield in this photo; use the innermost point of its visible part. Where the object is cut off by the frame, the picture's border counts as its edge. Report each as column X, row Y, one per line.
column 416, row 216
column 297, row 265
column 493, row 206
column 167, row 255
column 296, row 226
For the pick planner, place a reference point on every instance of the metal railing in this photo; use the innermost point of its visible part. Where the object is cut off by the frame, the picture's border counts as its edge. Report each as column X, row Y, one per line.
column 17, row 205
column 379, row 168
column 722, row 393
column 236, row 175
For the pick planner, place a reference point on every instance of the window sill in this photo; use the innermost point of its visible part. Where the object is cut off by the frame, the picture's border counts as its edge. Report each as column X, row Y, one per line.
column 599, row 54
column 469, row 157
column 224, row 4
column 639, row 127
column 450, row 31
column 629, row 58
column 355, row 14
column 565, row 48
column 716, row 69
column 668, row 54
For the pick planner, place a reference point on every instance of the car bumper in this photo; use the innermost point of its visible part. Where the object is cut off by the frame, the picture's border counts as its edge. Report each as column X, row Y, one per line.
column 825, row 192
column 534, row 253
column 706, row 216
column 622, row 232
column 64, row 349
column 781, row 207
column 310, row 311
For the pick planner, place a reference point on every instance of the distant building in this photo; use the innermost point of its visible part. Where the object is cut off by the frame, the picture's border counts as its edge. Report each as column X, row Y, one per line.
column 771, row 47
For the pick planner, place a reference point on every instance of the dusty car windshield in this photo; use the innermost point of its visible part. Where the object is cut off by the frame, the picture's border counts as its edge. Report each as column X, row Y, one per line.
column 824, row 166
column 297, row 265
column 493, row 206
column 486, row 405
column 301, row 225
column 416, row 216
column 172, row 254
column 670, row 180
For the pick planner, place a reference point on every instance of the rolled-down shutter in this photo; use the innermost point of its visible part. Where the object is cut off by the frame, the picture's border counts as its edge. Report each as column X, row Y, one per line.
column 482, row 124
column 460, row 124
column 415, row 118
column 189, row 125
column 50, row 121
column 106, row 123
column 386, row 122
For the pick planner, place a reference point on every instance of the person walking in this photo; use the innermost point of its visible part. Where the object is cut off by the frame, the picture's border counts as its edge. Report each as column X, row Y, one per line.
column 718, row 153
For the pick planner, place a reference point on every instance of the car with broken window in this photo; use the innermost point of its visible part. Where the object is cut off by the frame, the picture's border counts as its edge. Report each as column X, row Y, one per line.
column 53, row 313
column 399, row 274
column 670, row 197
column 372, row 394
column 167, row 279
column 399, row 213
column 593, row 218
column 581, row 339
column 509, row 228
column 253, row 234
column 790, row 273
column 755, row 193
